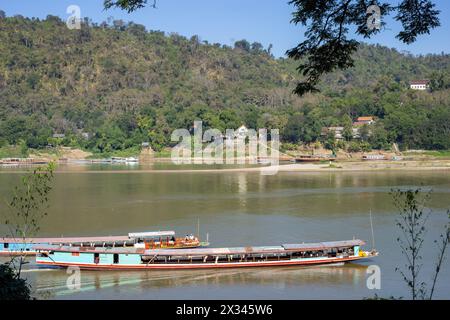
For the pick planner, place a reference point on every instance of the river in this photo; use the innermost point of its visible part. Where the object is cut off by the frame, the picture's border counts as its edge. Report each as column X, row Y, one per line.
column 237, row 209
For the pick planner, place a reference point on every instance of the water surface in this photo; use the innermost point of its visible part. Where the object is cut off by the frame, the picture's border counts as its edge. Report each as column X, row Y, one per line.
column 238, row 209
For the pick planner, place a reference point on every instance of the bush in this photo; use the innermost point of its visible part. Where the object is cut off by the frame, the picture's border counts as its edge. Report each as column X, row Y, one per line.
column 289, row 146
column 11, row 286
column 354, row 147
column 365, row 146
column 8, row 151
column 340, row 144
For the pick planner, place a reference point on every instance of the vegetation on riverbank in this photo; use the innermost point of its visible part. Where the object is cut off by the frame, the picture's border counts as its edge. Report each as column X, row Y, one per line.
column 438, row 153
column 14, row 151
column 130, row 152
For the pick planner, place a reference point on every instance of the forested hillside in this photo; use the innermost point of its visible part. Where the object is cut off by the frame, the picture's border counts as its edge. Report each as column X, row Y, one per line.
column 109, row 87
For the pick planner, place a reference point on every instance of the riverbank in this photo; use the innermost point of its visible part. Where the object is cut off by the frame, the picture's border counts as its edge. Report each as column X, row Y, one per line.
column 371, row 166
column 344, row 166
column 75, row 160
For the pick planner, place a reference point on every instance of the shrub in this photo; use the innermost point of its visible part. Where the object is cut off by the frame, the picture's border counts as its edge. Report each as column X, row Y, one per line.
column 354, row 147
column 365, row 146
column 11, row 286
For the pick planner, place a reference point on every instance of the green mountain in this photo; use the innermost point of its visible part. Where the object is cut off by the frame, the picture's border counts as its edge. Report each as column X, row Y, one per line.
column 109, row 87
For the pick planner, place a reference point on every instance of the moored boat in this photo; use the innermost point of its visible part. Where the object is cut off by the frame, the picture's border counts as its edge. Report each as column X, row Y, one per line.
column 138, row 240
column 139, row 258
column 311, row 158
column 132, row 160
column 374, row 157
column 129, row 160
column 21, row 161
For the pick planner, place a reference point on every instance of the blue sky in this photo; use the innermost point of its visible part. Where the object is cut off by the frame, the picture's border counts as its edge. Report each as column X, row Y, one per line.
column 225, row 21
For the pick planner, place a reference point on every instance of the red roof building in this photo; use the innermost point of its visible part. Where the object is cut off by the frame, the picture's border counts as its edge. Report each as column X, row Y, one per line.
column 419, row 84
column 363, row 120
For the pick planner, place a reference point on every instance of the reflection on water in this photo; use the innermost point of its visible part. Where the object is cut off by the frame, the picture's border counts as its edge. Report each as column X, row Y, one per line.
column 157, row 165
column 51, row 283
column 238, row 209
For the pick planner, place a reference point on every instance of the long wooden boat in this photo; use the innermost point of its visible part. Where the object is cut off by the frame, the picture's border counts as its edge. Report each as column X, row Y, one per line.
column 21, row 161
column 138, row 240
column 310, row 158
column 374, row 157
column 142, row 259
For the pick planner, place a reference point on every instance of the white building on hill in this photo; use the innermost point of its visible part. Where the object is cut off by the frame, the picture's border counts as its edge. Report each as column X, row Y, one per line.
column 419, row 84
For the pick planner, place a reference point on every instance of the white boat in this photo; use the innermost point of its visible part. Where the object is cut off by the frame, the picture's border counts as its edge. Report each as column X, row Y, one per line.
column 129, row 160
column 118, row 159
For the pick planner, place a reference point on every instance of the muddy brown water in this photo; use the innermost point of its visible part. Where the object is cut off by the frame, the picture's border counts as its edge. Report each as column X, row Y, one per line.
column 236, row 209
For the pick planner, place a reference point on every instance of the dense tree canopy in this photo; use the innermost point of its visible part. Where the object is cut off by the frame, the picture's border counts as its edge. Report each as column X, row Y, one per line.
column 329, row 45
column 113, row 85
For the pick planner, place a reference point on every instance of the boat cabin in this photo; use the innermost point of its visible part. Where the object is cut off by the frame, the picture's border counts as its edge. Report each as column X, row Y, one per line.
column 163, row 239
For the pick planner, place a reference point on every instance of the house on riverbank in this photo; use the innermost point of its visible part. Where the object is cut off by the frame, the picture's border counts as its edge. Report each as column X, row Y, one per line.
column 364, row 120
column 419, row 84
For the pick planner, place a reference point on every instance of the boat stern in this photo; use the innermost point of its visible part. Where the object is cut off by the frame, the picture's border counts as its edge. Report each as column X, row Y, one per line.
column 368, row 254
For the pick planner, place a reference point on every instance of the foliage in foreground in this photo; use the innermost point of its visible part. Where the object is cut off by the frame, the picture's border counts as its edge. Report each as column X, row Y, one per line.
column 12, row 287
column 27, row 208
column 413, row 216
column 329, row 45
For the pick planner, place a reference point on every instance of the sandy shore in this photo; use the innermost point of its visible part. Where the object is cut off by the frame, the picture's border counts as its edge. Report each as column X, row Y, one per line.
column 370, row 166
column 345, row 166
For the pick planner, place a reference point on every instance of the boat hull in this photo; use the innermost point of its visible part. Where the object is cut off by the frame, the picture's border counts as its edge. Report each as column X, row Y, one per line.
column 212, row 265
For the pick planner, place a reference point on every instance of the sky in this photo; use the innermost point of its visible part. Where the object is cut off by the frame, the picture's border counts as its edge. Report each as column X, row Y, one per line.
column 226, row 21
